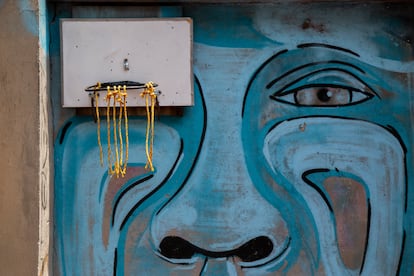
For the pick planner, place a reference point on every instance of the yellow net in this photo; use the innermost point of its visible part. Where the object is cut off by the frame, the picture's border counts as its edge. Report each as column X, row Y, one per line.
column 98, row 121
column 150, row 100
column 116, row 104
column 116, row 117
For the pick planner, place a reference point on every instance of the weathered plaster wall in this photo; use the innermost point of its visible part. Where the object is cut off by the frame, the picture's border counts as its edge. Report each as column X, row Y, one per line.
column 19, row 127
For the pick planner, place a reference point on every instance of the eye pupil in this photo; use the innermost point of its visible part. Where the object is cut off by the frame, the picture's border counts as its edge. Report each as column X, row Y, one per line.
column 324, row 95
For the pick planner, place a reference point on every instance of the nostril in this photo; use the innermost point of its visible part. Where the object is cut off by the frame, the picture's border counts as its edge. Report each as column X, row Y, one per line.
column 255, row 249
column 178, row 248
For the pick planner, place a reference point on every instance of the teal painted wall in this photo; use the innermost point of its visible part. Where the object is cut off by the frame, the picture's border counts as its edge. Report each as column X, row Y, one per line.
column 296, row 158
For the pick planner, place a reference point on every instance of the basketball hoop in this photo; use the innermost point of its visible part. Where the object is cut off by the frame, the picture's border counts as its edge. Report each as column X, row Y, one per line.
column 116, row 99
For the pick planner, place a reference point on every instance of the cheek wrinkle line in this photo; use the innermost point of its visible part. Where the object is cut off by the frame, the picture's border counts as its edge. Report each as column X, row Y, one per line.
column 115, row 261
column 197, row 153
column 316, row 187
column 401, row 254
column 367, row 238
column 154, row 190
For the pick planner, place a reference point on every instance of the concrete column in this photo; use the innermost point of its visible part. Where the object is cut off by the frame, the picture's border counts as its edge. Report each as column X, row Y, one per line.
column 24, row 160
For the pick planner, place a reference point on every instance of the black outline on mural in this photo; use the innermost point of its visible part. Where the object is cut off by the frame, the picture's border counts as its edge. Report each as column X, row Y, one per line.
column 64, row 130
column 282, row 91
column 315, row 186
column 203, row 266
column 401, row 254
column 322, row 45
column 368, row 232
column 115, row 260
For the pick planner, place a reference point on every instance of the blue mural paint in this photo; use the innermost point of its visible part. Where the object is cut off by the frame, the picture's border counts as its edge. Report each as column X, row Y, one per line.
column 289, row 125
column 29, row 16
column 43, row 33
column 236, row 29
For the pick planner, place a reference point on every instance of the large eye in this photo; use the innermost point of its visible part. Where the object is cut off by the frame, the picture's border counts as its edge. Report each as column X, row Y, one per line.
column 330, row 88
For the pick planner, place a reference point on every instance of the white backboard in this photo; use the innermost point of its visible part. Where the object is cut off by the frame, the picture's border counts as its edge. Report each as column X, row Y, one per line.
column 158, row 50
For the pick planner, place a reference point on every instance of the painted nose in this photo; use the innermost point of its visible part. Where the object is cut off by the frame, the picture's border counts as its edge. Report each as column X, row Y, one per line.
column 224, row 217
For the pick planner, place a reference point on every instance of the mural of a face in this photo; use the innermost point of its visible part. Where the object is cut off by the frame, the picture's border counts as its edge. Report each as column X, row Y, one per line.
column 294, row 159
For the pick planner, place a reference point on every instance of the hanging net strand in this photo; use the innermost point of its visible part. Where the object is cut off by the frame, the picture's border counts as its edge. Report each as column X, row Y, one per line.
column 124, row 96
column 108, row 98
column 150, row 99
column 120, row 165
column 115, row 130
column 117, row 122
column 115, row 105
column 121, row 146
column 98, row 121
column 116, row 102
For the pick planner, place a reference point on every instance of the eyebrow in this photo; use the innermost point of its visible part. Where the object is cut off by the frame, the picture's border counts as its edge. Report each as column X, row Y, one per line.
column 306, row 45
column 272, row 82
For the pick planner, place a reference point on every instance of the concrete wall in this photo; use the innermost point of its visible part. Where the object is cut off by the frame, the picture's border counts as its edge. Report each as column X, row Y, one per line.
column 19, row 136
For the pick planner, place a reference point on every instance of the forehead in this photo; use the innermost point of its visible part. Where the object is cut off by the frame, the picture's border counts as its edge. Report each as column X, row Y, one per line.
column 373, row 30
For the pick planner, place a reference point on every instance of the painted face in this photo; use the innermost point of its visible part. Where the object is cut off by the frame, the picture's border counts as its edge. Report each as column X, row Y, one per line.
column 316, row 137
column 293, row 159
